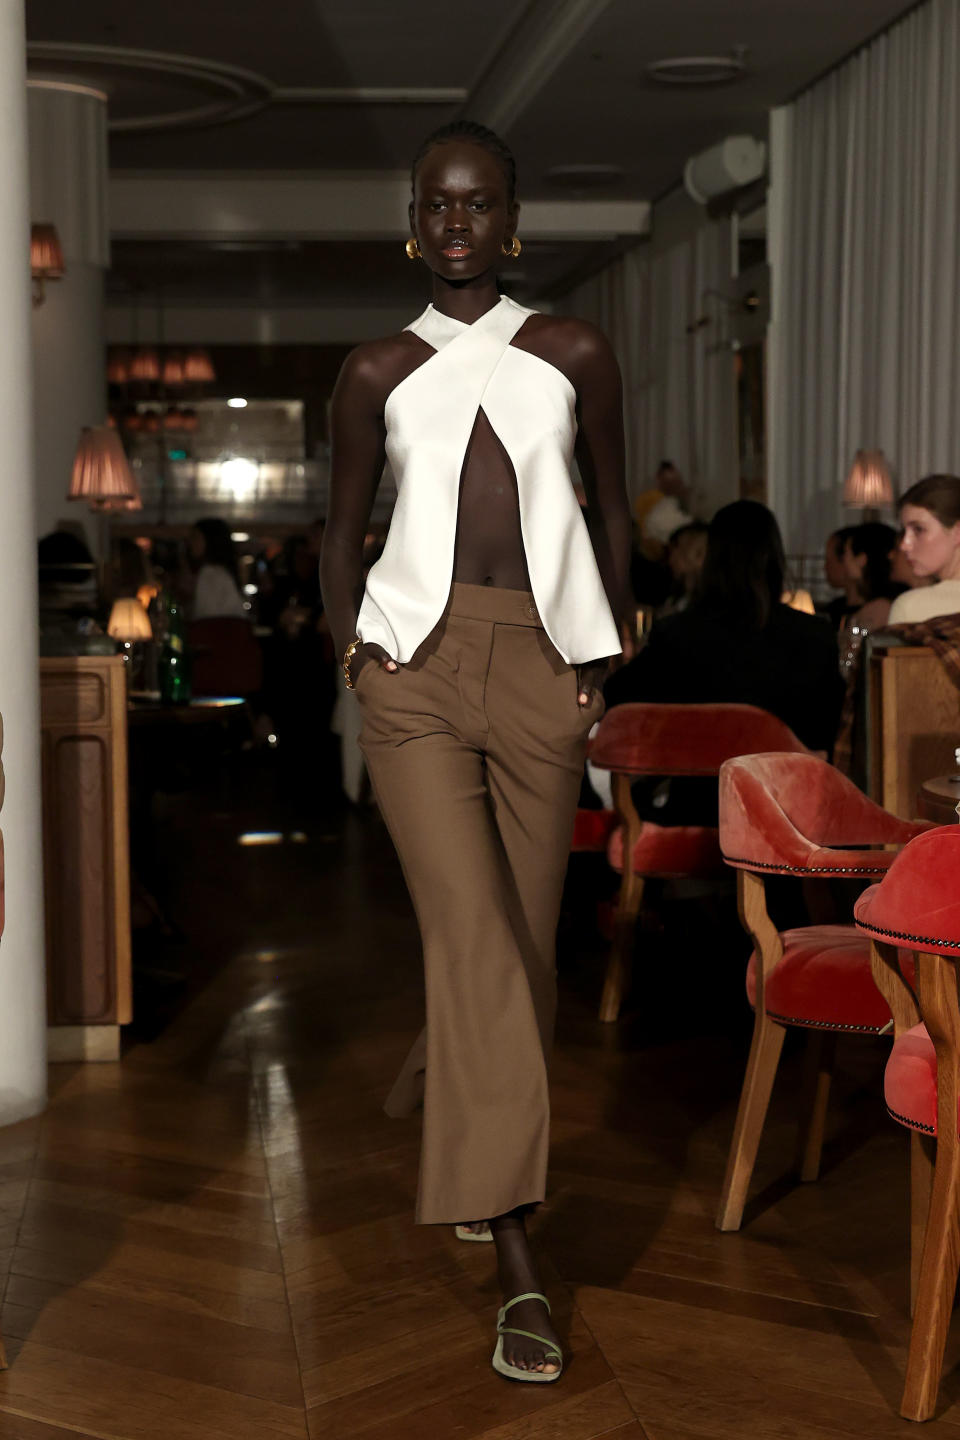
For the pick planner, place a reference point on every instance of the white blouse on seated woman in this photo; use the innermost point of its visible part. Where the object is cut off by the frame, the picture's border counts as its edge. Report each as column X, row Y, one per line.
column 926, row 603
column 216, row 595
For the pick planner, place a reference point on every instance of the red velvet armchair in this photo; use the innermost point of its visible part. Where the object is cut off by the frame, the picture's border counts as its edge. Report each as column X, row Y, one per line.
column 916, row 909
column 796, row 815
column 666, row 740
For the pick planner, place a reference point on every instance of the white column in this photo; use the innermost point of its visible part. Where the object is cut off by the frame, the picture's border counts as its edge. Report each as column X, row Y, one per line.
column 23, row 1075
column 68, row 188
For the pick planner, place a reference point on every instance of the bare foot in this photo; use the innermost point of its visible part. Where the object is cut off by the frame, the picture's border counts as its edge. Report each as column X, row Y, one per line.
column 518, row 1275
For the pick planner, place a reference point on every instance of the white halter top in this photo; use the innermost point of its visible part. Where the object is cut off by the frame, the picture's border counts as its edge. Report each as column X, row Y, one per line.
column 430, row 417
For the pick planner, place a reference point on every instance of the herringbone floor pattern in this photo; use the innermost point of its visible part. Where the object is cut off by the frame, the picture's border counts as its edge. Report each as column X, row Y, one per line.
column 213, row 1238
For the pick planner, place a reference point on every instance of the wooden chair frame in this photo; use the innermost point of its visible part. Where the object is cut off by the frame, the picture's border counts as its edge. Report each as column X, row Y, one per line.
column 629, row 903
column 764, row 1058
column 762, row 1062
column 935, row 1170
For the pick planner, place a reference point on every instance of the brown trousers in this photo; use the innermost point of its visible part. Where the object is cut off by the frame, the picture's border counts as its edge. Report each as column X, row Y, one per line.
column 475, row 751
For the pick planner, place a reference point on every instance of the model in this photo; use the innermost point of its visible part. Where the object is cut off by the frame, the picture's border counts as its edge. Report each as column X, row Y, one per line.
column 477, row 645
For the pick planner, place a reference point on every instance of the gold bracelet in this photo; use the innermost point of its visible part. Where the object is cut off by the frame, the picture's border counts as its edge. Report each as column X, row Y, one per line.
column 348, row 655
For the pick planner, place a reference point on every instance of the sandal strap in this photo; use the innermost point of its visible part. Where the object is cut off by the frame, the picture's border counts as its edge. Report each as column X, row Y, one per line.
column 548, row 1345
column 527, row 1295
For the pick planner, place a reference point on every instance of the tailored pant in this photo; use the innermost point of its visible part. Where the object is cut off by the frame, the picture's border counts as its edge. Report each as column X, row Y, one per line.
column 475, row 751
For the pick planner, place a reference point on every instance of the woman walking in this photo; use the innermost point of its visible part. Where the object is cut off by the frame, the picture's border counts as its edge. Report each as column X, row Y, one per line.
column 477, row 647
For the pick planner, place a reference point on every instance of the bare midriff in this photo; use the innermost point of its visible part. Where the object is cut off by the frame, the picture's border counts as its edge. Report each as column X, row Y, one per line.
column 489, row 548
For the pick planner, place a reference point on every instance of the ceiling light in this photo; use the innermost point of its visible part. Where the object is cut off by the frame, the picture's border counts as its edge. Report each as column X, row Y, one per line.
column 700, row 69
column 239, row 476
column 239, row 536
column 237, row 403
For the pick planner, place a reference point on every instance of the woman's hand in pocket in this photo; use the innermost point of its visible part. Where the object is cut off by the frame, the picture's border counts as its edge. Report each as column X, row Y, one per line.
column 590, row 680
column 372, row 654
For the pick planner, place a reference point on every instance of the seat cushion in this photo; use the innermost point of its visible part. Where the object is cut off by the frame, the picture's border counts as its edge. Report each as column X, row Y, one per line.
column 910, row 1081
column 824, row 980
column 670, row 851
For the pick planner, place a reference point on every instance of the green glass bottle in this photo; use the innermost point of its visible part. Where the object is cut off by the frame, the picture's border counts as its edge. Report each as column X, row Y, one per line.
column 175, row 662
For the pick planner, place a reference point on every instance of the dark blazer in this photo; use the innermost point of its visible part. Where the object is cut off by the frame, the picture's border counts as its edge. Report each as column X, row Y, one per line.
column 791, row 668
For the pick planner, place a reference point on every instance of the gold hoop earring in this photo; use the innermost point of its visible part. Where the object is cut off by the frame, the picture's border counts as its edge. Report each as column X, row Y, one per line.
column 513, row 249
column 413, row 249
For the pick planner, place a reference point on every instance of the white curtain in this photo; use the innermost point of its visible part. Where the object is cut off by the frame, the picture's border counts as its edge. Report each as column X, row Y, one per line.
column 678, row 376
column 865, row 248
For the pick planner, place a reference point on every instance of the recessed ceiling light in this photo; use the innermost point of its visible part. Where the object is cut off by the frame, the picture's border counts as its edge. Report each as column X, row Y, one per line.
column 237, row 403
column 583, row 177
column 699, row 69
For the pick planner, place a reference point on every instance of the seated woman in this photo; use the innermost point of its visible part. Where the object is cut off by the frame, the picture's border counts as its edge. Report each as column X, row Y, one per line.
column 930, row 516
column 736, row 643
column 686, row 551
column 216, row 592
column 866, row 559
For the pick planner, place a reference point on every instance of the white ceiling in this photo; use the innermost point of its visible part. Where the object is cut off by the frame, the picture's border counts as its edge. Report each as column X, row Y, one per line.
column 567, row 76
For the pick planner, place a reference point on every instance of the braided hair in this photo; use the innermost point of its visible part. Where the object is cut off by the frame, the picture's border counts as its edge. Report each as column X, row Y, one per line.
column 475, row 134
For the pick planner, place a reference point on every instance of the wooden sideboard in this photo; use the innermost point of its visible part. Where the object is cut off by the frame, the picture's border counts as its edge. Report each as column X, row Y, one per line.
column 83, row 717
column 914, row 724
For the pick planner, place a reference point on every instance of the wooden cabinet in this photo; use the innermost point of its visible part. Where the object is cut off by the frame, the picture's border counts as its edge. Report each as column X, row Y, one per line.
column 83, row 710
column 914, row 724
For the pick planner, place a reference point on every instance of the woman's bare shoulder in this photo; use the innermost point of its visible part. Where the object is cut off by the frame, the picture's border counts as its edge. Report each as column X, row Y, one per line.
column 573, row 346
column 374, row 368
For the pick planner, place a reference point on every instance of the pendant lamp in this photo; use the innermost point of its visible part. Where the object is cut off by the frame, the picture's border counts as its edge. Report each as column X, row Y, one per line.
column 101, row 475
column 173, row 371
column 118, row 367
column 198, row 367
column 145, row 365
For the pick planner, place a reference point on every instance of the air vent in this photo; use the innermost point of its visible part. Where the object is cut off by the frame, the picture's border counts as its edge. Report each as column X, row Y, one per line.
column 699, row 69
column 584, row 177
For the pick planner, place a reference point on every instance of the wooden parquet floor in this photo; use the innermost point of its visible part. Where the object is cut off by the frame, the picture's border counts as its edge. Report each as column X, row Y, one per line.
column 213, row 1238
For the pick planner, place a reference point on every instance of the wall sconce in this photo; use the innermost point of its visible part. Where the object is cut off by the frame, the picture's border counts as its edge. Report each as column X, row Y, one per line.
column 869, row 483
column 46, row 259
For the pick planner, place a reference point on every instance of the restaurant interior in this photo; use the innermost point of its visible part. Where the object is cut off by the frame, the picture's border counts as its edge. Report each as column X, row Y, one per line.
column 211, row 965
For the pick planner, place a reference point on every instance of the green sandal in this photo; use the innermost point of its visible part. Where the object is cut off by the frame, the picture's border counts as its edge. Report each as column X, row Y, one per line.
column 512, row 1372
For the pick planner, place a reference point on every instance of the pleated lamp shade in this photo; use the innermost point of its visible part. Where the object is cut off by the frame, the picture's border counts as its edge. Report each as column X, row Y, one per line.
column 145, row 365
column 128, row 620
column 46, row 256
column 118, row 367
column 173, row 373
column 198, row 368
column 101, row 475
column 869, row 483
